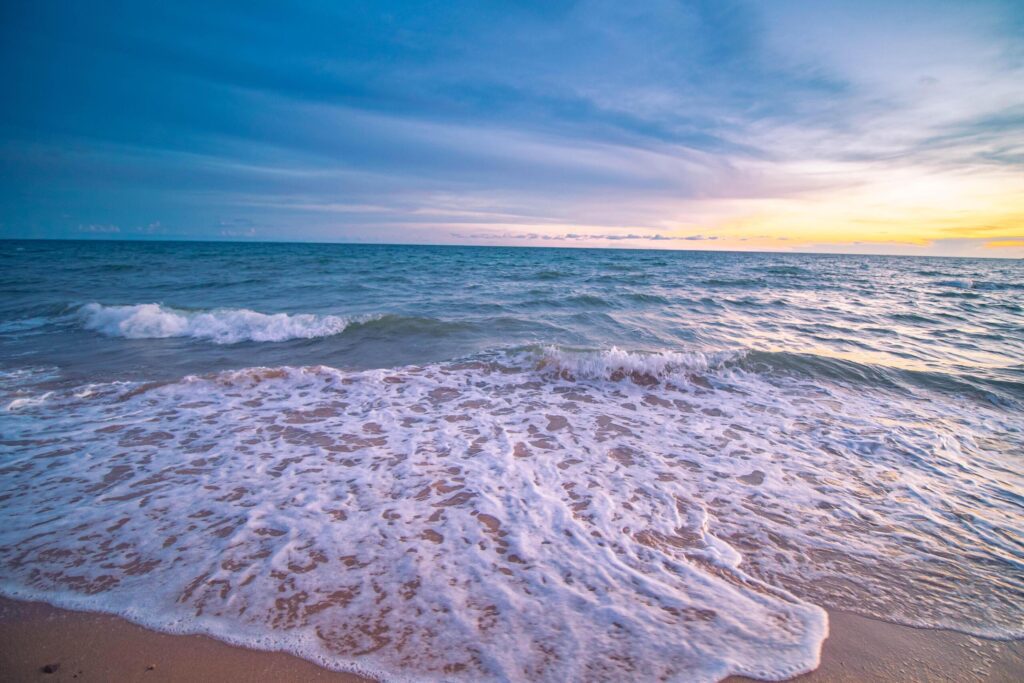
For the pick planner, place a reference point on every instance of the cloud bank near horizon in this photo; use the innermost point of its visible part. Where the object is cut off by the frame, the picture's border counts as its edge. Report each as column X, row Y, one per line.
column 837, row 126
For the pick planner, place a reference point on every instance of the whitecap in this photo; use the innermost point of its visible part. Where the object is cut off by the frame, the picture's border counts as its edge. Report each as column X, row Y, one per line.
column 28, row 401
column 220, row 326
column 616, row 363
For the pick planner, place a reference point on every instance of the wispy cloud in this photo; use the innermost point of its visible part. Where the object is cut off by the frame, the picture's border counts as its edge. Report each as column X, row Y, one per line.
column 664, row 122
column 1006, row 244
column 584, row 237
column 98, row 229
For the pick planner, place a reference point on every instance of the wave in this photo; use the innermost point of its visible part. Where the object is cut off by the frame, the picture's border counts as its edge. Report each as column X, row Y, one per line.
column 404, row 325
column 577, row 498
column 782, row 270
column 28, row 401
column 645, row 298
column 913, row 318
column 956, row 284
column 696, row 366
column 23, row 325
column 548, row 275
column 220, row 326
column 617, row 364
column 733, row 282
column 231, row 326
column 1005, row 393
column 119, row 268
column 588, row 301
column 984, row 285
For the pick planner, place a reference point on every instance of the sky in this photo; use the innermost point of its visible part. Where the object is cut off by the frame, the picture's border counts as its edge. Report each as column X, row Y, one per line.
column 866, row 127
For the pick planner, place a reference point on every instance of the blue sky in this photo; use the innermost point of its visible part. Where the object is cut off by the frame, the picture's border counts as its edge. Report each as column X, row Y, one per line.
column 843, row 126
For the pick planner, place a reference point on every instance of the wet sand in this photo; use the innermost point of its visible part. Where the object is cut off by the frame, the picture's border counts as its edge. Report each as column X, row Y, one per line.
column 97, row 647
column 862, row 650
column 100, row 647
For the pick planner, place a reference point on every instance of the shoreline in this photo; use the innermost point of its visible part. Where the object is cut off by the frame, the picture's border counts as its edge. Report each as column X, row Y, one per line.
column 95, row 646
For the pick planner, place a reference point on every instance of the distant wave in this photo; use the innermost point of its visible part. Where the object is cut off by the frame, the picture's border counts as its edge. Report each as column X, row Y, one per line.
column 548, row 275
column 646, row 298
column 220, row 326
column 782, row 270
column 734, row 282
column 956, row 284
column 968, row 283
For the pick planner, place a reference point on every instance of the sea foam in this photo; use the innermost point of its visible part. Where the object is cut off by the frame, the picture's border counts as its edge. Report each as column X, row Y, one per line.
column 494, row 520
column 221, row 326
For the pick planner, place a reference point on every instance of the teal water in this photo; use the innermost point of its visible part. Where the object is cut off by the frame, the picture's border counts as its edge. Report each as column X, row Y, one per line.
column 961, row 319
column 436, row 462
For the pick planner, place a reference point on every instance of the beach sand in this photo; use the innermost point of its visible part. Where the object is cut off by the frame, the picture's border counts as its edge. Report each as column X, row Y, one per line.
column 97, row 647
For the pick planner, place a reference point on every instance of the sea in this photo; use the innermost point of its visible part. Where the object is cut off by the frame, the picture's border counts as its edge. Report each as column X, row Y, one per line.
column 513, row 464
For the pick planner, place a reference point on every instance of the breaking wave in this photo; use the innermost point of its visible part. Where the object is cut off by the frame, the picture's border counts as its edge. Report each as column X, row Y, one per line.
column 653, row 367
column 617, row 364
column 456, row 521
column 220, row 326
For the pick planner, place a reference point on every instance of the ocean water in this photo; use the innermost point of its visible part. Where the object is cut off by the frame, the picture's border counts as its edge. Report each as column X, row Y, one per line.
column 441, row 463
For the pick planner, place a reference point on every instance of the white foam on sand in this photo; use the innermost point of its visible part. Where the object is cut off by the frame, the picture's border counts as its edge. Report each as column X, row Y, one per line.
column 487, row 521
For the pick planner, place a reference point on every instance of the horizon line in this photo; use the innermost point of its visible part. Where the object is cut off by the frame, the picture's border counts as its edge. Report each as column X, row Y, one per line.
column 212, row 240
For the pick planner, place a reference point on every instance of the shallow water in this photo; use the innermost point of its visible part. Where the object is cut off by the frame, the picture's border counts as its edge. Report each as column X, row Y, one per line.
column 466, row 463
